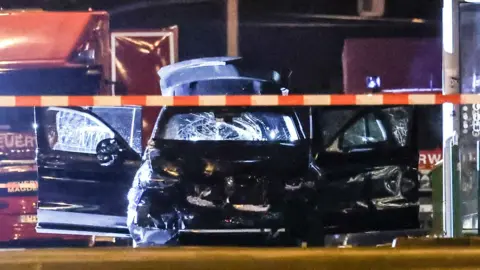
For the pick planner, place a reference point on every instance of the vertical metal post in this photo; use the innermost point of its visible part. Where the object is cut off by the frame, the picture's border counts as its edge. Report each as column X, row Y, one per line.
column 451, row 72
column 451, row 44
column 478, row 186
column 451, row 201
column 437, row 199
column 232, row 27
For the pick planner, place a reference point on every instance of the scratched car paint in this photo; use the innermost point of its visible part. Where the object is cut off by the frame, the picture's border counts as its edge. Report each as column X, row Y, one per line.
column 226, row 169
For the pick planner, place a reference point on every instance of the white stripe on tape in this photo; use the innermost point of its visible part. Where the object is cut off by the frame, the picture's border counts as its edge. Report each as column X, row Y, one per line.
column 54, row 101
column 421, row 99
column 212, row 100
column 316, row 100
column 107, row 101
column 264, row 100
column 159, row 101
column 7, row 101
column 470, row 99
column 369, row 99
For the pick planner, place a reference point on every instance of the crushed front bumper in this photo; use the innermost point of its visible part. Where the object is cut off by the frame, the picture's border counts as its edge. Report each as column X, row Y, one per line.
column 157, row 218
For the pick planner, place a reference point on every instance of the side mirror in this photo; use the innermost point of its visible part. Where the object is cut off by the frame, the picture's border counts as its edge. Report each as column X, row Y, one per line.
column 108, row 152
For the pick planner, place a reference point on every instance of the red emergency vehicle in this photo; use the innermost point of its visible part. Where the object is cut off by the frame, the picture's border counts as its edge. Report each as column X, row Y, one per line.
column 64, row 53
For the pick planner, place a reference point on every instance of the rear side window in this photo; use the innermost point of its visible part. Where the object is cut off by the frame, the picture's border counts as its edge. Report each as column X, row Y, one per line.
column 349, row 129
column 399, row 119
column 74, row 131
column 331, row 121
column 366, row 130
column 80, row 131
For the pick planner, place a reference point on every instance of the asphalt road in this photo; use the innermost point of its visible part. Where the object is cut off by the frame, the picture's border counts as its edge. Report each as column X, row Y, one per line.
column 241, row 258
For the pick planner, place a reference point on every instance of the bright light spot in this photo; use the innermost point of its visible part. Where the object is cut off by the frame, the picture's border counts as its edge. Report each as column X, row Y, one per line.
column 291, row 128
column 145, row 124
column 11, row 42
column 448, row 26
column 417, row 20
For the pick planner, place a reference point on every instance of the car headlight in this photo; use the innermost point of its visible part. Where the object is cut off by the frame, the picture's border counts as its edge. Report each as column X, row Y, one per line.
column 146, row 177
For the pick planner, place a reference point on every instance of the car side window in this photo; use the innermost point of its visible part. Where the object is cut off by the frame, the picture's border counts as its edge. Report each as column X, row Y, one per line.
column 376, row 126
column 366, row 130
column 355, row 135
column 330, row 122
column 399, row 119
column 74, row 131
column 127, row 121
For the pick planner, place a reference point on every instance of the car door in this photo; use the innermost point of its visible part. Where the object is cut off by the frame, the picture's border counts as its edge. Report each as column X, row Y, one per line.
column 86, row 159
column 368, row 158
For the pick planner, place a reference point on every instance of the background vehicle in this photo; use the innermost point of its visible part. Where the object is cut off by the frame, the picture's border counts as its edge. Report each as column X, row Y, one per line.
column 18, row 184
column 69, row 55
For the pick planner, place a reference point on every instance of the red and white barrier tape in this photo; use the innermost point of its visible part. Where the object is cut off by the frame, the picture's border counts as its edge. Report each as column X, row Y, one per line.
column 255, row 100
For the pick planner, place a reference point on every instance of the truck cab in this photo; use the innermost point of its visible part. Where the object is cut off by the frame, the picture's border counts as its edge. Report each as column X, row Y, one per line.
column 68, row 54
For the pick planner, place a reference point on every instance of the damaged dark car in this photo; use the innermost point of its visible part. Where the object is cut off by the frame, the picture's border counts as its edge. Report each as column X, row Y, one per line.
column 210, row 169
column 305, row 172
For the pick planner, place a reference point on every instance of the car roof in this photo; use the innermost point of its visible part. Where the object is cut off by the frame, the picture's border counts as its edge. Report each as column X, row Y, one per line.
column 185, row 77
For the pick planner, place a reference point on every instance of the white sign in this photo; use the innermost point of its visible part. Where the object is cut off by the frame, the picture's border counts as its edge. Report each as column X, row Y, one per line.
column 476, row 120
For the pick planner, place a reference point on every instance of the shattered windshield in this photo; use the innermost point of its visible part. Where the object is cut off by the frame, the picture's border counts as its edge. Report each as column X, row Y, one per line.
column 245, row 126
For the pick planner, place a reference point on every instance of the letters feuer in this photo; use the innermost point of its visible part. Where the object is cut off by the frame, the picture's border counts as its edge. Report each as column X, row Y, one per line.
column 16, row 141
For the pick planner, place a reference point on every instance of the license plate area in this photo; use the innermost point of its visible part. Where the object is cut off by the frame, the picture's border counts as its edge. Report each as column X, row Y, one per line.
column 28, row 219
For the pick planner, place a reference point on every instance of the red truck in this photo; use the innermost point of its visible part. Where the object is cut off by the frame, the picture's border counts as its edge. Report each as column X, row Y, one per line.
column 64, row 53
column 402, row 65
